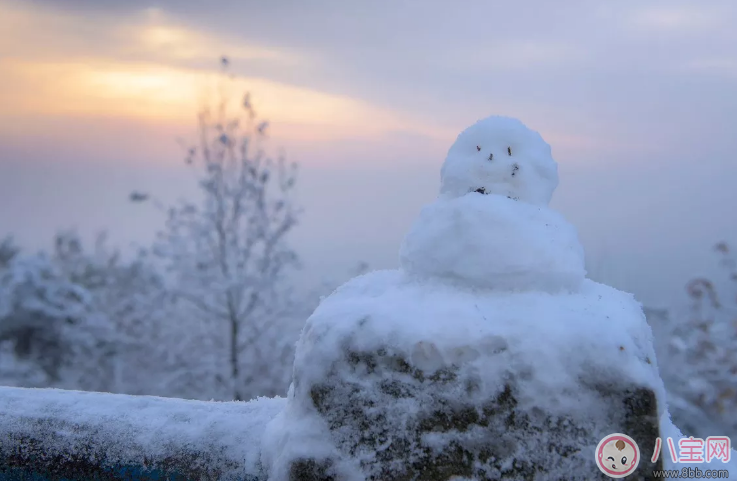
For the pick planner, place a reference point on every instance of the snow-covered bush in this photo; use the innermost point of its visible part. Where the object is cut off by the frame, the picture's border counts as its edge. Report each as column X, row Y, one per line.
column 50, row 333
column 697, row 349
column 129, row 293
column 89, row 320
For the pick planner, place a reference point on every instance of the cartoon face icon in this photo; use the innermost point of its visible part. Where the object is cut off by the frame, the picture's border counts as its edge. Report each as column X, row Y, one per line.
column 617, row 455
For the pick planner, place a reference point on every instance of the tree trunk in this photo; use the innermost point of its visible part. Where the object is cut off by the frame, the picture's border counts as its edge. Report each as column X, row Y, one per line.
column 233, row 318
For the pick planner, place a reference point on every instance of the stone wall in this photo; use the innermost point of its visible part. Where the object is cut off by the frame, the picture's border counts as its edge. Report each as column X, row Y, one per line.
column 48, row 434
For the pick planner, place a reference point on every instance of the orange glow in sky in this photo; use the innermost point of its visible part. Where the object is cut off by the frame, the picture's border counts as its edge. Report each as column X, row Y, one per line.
column 138, row 71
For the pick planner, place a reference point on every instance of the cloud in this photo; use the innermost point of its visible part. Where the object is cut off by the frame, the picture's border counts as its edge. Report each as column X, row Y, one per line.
column 676, row 18
column 510, row 55
column 147, row 67
column 150, row 92
column 147, row 34
column 720, row 66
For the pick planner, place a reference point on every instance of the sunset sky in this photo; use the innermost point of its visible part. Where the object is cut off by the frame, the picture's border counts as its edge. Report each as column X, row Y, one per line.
column 638, row 100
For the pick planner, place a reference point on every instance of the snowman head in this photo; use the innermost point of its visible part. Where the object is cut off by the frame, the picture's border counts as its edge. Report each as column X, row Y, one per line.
column 500, row 155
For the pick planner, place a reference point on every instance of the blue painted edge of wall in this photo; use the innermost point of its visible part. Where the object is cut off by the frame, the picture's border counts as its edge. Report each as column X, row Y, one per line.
column 128, row 473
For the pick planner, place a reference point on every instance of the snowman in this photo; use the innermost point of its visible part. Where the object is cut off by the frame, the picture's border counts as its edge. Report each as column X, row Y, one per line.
column 490, row 226
column 486, row 355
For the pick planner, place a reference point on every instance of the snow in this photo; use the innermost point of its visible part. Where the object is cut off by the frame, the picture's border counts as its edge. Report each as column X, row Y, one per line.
column 494, row 242
column 534, row 329
column 503, row 156
column 492, row 283
column 490, row 226
column 547, row 343
column 124, row 428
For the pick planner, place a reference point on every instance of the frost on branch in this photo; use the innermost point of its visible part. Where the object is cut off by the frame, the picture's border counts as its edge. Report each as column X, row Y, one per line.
column 228, row 254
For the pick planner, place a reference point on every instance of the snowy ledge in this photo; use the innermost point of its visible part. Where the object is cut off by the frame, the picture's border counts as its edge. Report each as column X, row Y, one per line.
column 50, row 434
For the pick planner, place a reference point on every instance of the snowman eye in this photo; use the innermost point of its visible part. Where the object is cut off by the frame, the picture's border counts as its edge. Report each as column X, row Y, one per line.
column 491, row 156
column 509, row 150
column 478, row 148
column 624, row 459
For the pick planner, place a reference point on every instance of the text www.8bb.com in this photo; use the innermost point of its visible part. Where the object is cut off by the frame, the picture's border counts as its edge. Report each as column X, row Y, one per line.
column 692, row 473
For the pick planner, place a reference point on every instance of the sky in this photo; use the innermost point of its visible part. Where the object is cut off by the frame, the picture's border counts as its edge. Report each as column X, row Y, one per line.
column 637, row 99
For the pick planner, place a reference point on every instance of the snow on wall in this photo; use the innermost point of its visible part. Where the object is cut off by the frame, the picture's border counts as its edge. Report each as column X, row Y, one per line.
column 546, row 343
column 72, row 433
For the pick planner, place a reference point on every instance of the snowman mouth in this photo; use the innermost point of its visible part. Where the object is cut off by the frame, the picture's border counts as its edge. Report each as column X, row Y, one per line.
column 482, row 190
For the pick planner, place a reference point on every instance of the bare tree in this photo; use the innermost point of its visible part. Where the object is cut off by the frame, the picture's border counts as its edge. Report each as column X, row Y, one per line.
column 227, row 253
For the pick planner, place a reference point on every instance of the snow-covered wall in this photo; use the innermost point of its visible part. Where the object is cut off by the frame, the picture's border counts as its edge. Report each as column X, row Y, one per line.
column 48, row 434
